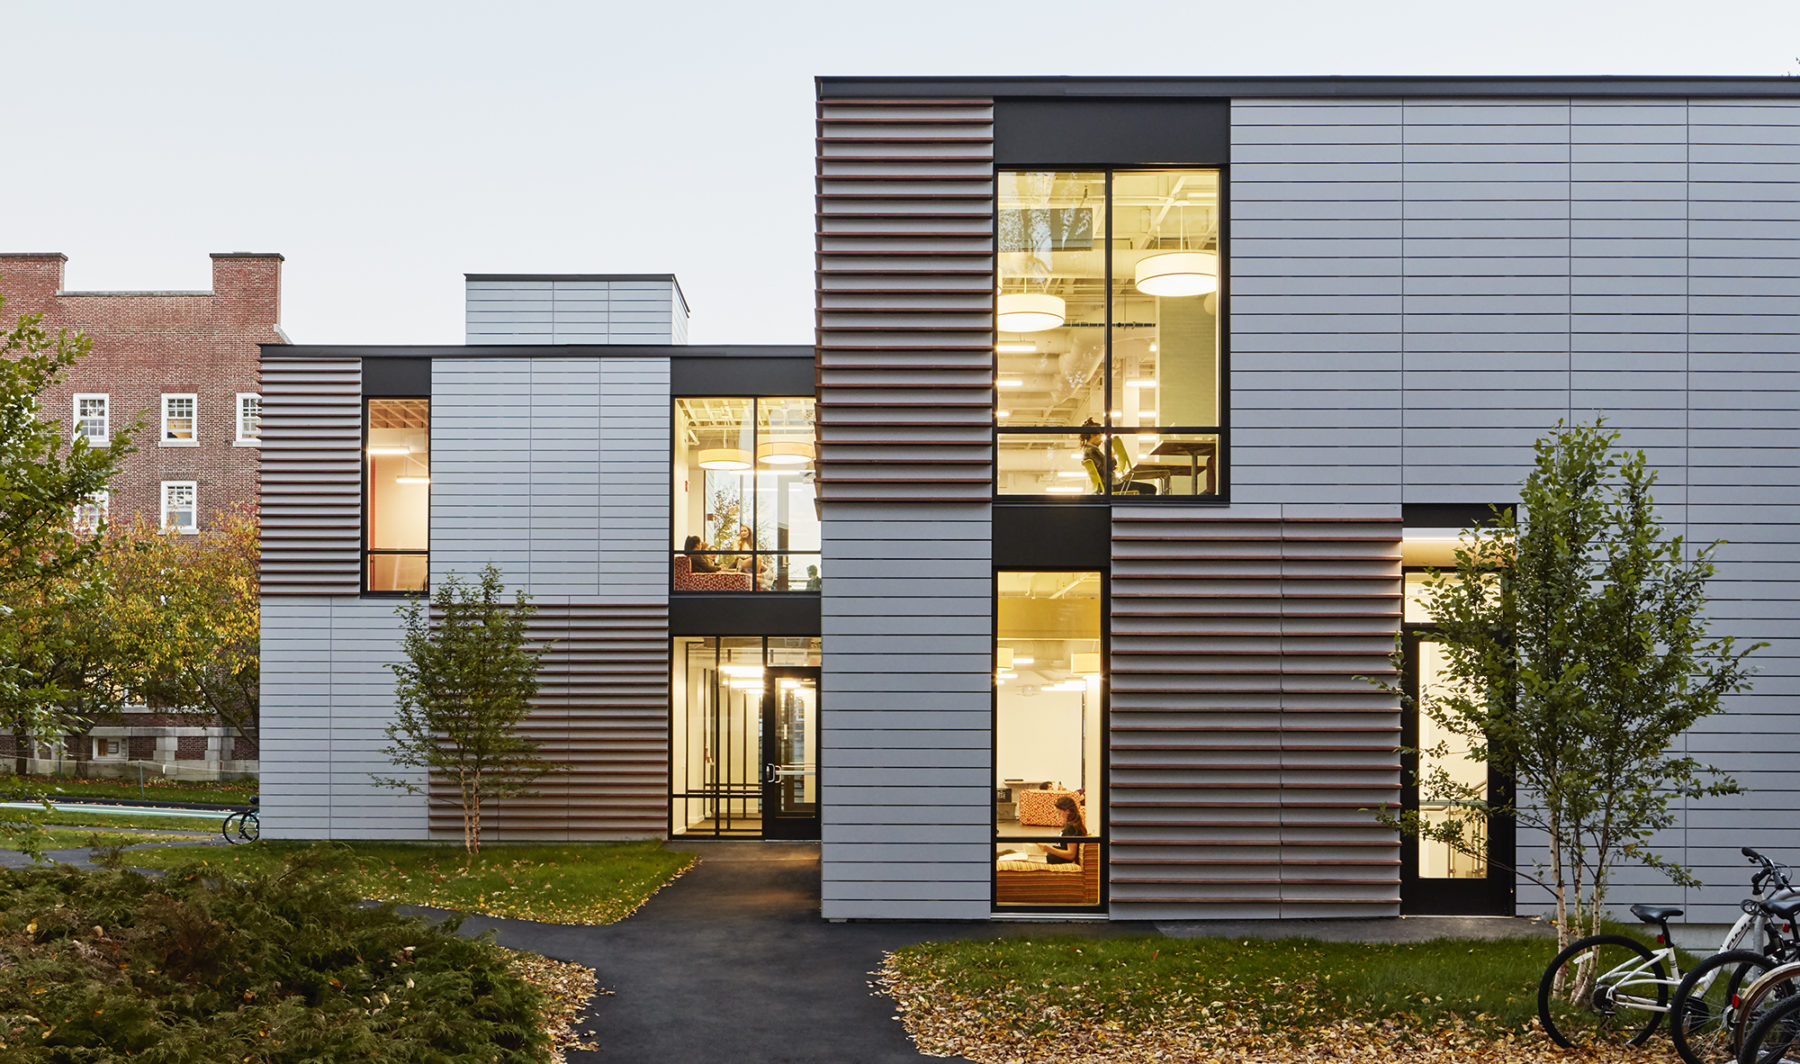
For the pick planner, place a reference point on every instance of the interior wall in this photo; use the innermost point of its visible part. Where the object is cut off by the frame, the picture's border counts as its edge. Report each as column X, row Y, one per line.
column 399, row 514
column 1040, row 737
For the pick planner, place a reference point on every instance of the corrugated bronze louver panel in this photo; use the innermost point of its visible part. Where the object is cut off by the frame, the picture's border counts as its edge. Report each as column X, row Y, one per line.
column 1245, row 746
column 602, row 711
column 905, row 258
column 311, row 470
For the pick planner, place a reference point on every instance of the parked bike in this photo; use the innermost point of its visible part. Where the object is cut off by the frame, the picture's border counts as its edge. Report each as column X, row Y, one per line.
column 1614, row 989
column 1707, row 1008
column 241, row 825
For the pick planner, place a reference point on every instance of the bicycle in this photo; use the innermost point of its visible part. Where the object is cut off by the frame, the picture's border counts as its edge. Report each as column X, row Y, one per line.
column 1708, row 1014
column 1609, row 978
column 1776, row 1037
column 242, row 825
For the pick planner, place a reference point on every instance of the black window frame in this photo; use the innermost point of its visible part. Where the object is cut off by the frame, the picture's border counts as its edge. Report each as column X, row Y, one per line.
column 1221, row 465
column 363, row 472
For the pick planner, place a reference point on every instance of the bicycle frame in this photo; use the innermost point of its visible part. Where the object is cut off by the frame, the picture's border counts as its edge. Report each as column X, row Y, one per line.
column 1639, row 973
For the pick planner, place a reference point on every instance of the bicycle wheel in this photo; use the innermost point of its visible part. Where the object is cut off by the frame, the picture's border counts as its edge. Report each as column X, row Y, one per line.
column 249, row 827
column 1776, row 1037
column 1761, row 996
column 1602, row 990
column 228, row 829
column 1703, row 1009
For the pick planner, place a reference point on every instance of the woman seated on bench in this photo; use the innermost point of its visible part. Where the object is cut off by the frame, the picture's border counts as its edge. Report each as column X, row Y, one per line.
column 1073, row 828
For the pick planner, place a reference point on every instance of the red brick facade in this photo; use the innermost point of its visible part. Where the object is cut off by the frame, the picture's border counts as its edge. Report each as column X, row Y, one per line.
column 148, row 344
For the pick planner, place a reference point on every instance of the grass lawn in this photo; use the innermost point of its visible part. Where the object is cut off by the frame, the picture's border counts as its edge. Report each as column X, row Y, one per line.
column 189, row 824
column 1125, row 999
column 586, row 883
column 236, row 792
column 70, row 838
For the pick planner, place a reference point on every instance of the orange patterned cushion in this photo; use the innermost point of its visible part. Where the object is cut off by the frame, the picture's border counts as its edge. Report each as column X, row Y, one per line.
column 1038, row 808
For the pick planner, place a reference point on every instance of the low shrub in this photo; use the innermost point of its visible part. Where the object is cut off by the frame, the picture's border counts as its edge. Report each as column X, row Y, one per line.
column 194, row 968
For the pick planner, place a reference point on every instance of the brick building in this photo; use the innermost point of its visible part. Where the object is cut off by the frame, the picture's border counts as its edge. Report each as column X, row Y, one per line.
column 187, row 365
column 183, row 362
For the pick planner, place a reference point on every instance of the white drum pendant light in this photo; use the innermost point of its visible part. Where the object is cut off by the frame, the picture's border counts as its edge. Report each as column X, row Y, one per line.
column 1178, row 273
column 1026, row 312
column 724, row 458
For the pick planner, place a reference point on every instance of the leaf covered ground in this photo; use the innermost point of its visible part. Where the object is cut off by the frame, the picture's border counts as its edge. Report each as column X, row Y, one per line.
column 1110, row 1001
column 589, row 883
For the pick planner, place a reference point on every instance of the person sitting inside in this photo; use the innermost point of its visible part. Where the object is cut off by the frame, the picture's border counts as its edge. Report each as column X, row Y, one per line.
column 812, row 578
column 746, row 561
column 698, row 563
column 1073, row 828
column 1090, row 450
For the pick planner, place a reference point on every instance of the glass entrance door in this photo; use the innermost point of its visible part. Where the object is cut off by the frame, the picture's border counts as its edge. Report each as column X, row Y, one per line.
column 1439, row 877
column 790, row 785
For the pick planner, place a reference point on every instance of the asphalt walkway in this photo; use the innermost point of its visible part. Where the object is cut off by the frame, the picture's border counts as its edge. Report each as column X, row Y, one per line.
column 731, row 962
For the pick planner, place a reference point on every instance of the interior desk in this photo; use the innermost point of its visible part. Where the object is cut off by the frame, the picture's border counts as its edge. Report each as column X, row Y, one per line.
column 1194, row 451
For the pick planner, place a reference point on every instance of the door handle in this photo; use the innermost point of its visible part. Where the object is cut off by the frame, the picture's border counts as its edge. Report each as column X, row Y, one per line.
column 769, row 773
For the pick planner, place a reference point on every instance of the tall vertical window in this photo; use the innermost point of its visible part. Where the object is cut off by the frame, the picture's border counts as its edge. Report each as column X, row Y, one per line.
column 249, row 418
column 746, row 513
column 1108, row 333
column 93, row 417
column 397, row 494
column 179, row 419
column 180, row 506
column 1049, row 746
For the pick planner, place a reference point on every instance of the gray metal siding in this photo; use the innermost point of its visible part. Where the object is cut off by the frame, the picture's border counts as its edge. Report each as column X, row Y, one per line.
column 556, row 471
column 1421, row 288
column 529, row 311
column 906, row 711
column 327, row 696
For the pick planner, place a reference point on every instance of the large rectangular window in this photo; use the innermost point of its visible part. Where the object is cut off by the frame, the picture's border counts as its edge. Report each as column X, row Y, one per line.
column 93, row 417
column 397, row 494
column 745, row 497
column 1049, row 740
column 1108, row 345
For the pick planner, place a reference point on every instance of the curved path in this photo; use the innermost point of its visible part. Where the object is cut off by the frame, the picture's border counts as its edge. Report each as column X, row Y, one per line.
column 731, row 962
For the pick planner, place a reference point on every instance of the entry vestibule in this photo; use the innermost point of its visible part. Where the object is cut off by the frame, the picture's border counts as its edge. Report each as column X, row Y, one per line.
column 744, row 728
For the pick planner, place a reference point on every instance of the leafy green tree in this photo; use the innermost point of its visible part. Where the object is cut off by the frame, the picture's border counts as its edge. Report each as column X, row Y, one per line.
column 184, row 616
column 46, row 565
column 1576, row 654
column 466, row 684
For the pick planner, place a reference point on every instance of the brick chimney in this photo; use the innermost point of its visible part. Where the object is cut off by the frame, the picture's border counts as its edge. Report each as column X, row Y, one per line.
column 248, row 285
column 30, row 280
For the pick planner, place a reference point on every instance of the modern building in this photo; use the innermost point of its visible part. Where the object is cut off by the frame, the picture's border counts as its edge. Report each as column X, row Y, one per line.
column 1133, row 406
column 184, row 365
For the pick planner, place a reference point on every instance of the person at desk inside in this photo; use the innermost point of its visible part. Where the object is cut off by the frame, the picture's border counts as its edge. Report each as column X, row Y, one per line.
column 1090, row 451
column 1073, row 828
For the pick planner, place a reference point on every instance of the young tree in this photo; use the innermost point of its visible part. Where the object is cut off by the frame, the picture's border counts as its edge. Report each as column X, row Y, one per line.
column 45, row 564
column 466, row 684
column 1576, row 654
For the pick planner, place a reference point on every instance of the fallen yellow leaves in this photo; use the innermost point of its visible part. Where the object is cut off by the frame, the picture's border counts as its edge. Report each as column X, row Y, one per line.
column 988, row 1030
column 568, row 987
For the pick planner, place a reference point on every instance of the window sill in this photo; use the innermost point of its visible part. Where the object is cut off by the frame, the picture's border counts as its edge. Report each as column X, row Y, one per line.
column 178, row 443
column 246, row 443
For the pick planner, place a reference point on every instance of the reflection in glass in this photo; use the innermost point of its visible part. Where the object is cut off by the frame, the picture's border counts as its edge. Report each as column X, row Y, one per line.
column 716, row 758
column 746, row 515
column 397, row 479
column 1050, row 354
column 1048, row 739
column 1046, row 464
column 1444, row 756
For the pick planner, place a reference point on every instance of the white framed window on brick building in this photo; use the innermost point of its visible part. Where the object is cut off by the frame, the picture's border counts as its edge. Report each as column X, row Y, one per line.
column 180, row 420
column 93, row 420
column 90, row 514
column 249, row 419
column 180, row 506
